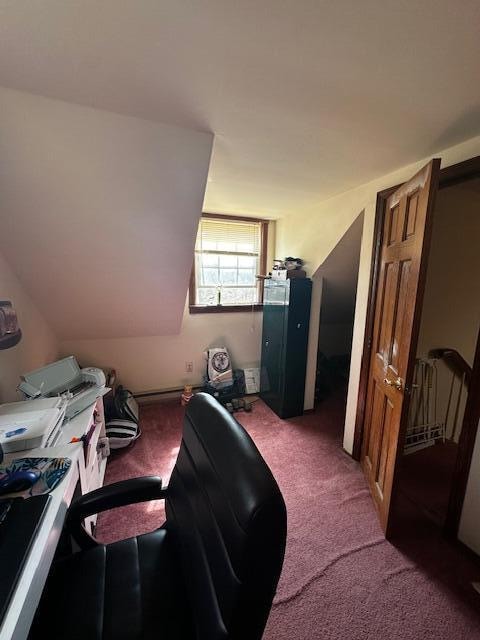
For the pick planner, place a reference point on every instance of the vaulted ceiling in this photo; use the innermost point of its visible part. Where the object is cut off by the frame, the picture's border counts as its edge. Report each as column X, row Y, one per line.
column 101, row 193
column 306, row 98
column 99, row 214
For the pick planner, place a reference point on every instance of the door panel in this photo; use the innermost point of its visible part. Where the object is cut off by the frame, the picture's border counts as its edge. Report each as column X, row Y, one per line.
column 405, row 241
column 395, row 361
column 384, row 448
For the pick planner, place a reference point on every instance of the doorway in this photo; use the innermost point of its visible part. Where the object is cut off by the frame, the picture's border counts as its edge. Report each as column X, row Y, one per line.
column 339, row 275
column 449, row 327
column 462, row 173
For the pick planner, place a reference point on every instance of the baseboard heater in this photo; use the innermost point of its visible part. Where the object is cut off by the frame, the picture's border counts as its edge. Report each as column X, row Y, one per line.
column 161, row 393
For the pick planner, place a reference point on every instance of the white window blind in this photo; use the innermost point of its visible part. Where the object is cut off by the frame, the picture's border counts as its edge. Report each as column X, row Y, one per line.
column 227, row 260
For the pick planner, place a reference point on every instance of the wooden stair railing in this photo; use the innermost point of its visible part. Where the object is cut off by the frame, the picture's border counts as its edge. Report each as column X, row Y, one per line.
column 455, row 361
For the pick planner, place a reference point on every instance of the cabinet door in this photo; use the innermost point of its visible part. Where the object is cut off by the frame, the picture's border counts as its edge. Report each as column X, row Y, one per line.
column 296, row 347
column 273, row 344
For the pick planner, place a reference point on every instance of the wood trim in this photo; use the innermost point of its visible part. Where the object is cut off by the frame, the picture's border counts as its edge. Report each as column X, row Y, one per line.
column 465, row 449
column 263, row 258
column 382, row 198
column 191, row 288
column 461, row 172
column 225, row 308
column 454, row 174
column 195, row 308
column 222, row 216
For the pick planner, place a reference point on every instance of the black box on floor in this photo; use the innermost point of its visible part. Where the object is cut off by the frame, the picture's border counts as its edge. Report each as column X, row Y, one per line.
column 226, row 394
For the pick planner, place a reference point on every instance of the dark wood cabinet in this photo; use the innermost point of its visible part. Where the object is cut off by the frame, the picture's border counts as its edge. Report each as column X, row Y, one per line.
column 286, row 317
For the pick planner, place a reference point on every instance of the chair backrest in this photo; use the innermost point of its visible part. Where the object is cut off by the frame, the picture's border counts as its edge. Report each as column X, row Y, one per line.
column 229, row 519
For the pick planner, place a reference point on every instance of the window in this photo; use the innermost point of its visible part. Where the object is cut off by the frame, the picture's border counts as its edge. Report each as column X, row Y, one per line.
column 229, row 253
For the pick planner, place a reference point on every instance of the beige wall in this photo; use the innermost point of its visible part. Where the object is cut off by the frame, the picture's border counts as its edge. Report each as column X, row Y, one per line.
column 451, row 308
column 319, row 231
column 158, row 362
column 38, row 344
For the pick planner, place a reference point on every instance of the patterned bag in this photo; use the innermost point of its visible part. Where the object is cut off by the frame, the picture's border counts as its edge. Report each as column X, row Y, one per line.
column 121, row 433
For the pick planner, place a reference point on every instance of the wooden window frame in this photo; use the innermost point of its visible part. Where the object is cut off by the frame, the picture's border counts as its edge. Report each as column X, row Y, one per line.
column 229, row 308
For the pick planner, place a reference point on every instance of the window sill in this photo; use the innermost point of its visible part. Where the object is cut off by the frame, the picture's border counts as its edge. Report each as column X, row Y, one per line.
column 225, row 308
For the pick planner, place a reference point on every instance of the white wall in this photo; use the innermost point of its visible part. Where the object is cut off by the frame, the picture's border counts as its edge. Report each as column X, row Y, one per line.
column 158, row 362
column 38, row 345
column 99, row 214
column 322, row 228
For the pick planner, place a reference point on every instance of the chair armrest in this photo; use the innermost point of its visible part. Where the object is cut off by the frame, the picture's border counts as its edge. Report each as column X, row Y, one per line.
column 108, row 497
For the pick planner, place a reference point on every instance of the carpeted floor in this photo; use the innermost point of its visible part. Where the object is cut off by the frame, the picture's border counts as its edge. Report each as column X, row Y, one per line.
column 341, row 579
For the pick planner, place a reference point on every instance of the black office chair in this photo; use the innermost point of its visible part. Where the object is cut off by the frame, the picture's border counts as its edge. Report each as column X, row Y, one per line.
column 209, row 573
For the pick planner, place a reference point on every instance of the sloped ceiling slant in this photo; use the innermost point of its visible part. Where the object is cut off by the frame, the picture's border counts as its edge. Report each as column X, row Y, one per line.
column 99, row 214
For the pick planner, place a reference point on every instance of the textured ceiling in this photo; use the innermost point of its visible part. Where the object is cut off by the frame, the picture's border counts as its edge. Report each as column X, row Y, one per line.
column 306, row 98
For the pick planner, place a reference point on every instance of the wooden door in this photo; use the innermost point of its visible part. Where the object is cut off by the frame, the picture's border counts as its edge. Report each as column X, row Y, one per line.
column 405, row 242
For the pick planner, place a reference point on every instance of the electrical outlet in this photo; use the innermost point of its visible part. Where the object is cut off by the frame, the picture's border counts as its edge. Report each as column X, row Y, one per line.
column 189, row 367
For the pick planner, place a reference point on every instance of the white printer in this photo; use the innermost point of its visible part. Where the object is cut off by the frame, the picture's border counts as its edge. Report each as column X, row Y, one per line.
column 31, row 423
column 64, row 378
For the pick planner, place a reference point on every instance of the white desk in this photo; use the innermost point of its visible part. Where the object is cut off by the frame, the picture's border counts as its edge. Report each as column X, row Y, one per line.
column 22, row 607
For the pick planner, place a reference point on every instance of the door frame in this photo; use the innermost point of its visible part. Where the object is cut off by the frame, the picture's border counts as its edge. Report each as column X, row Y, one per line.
column 454, row 174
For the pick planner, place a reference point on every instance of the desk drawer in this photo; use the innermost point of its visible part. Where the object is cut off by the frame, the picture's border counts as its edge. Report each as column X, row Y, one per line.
column 91, row 449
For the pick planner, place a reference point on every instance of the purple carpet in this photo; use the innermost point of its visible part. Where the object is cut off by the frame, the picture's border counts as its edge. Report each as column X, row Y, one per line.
column 341, row 579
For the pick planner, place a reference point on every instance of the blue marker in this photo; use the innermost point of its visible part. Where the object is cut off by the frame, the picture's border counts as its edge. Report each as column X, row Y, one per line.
column 17, row 432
